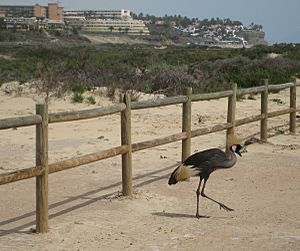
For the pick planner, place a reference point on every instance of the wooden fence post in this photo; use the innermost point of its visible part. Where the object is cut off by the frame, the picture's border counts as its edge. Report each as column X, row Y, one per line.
column 126, row 140
column 231, row 114
column 264, row 112
column 42, row 162
column 187, row 125
column 293, row 106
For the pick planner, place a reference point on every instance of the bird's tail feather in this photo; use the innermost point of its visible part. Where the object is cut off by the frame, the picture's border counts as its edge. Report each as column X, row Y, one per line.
column 182, row 173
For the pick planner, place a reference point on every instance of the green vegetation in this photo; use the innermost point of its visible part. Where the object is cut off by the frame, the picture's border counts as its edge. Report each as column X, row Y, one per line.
column 78, row 90
column 278, row 101
column 77, row 97
column 184, row 21
column 143, row 68
column 91, row 100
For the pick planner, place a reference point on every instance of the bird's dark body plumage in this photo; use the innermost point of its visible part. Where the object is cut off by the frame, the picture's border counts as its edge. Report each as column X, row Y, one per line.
column 207, row 161
column 202, row 164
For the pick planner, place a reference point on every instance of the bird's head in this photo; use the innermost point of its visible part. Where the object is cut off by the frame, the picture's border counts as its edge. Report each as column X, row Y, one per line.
column 238, row 147
column 234, row 142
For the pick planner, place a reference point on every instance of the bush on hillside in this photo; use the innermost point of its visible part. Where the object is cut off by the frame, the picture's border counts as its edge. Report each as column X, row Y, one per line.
column 143, row 68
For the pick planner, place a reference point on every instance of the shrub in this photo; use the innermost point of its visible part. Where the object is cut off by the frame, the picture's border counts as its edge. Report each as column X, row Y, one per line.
column 147, row 88
column 142, row 68
column 278, row 101
column 91, row 100
column 78, row 88
column 134, row 95
column 111, row 92
column 170, row 80
column 77, row 97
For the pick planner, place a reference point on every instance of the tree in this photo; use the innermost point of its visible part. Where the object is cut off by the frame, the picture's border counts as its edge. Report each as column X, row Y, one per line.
column 140, row 16
column 134, row 16
column 51, row 74
column 74, row 30
column 2, row 23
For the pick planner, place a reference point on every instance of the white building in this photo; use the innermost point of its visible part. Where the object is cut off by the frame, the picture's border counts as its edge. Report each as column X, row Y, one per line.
column 116, row 26
column 97, row 14
column 117, row 21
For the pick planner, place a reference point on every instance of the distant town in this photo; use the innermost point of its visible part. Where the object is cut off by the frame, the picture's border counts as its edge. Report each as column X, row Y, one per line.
column 55, row 18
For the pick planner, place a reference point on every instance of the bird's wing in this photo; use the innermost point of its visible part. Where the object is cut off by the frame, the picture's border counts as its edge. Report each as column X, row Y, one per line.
column 207, row 158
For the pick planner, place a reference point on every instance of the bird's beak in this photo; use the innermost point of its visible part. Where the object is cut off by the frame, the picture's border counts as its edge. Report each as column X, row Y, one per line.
column 238, row 148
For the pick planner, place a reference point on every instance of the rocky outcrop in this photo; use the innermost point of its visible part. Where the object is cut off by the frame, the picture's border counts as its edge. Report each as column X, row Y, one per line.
column 254, row 37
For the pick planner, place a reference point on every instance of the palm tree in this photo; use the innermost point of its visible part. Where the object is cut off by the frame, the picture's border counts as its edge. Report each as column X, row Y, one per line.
column 140, row 16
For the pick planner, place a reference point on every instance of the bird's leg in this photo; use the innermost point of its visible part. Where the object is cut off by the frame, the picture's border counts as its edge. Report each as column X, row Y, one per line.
column 220, row 204
column 198, row 193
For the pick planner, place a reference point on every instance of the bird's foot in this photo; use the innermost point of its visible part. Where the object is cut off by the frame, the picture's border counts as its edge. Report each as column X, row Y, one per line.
column 225, row 207
column 201, row 216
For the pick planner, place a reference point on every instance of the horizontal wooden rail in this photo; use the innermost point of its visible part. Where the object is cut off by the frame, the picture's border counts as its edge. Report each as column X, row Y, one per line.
column 281, row 86
column 241, row 92
column 20, row 121
column 86, row 159
column 216, row 128
column 61, row 165
column 86, row 113
column 158, row 102
column 255, row 118
column 259, row 89
column 213, row 95
column 157, row 142
column 252, row 90
column 247, row 120
column 22, row 174
column 280, row 112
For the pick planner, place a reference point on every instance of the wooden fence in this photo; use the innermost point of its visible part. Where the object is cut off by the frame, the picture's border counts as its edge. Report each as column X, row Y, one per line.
column 42, row 118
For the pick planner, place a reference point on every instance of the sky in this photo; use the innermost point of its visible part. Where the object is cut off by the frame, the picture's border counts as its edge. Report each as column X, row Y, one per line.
column 280, row 18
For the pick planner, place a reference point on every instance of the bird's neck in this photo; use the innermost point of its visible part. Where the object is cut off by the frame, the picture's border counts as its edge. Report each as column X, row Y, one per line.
column 231, row 157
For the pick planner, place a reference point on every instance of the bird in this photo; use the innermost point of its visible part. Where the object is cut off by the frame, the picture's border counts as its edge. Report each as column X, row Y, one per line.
column 203, row 163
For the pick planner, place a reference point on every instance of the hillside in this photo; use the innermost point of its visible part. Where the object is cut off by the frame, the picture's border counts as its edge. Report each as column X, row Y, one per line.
column 167, row 69
column 254, row 37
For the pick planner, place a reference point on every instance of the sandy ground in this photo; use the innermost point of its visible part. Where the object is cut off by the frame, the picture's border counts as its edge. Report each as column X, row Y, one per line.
column 88, row 213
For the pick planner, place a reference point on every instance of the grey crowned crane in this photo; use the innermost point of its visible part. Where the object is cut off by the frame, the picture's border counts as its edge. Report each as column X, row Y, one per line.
column 203, row 163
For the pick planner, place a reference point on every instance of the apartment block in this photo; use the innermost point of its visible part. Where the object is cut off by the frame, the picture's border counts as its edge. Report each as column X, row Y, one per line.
column 40, row 11
column 97, row 14
column 113, row 21
column 30, row 17
column 55, row 12
column 116, row 26
column 51, row 12
column 17, row 11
